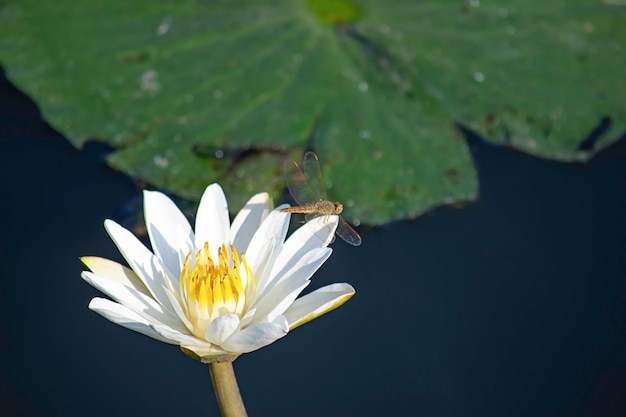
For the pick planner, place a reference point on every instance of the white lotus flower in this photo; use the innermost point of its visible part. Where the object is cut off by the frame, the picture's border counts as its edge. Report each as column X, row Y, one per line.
column 225, row 290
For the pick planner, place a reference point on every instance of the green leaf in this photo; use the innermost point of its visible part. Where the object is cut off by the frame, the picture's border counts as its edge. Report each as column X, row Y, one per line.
column 192, row 92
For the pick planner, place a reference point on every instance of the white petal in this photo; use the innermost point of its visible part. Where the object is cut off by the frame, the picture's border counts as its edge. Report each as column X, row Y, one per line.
column 263, row 265
column 165, row 223
column 245, row 321
column 279, row 296
column 178, row 309
column 141, row 260
column 301, row 271
column 206, row 351
column 266, row 244
column 115, row 271
column 212, row 221
column 248, row 221
column 304, row 267
column 256, row 337
column 318, row 302
column 316, row 233
column 185, row 246
column 286, row 301
column 167, row 280
column 222, row 328
column 277, row 300
column 138, row 302
column 179, row 337
column 123, row 316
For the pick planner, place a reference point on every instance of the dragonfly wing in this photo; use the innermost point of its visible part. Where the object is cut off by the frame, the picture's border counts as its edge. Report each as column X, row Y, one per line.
column 313, row 174
column 347, row 233
column 297, row 184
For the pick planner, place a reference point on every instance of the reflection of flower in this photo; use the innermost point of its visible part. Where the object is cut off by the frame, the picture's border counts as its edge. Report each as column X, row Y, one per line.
column 225, row 290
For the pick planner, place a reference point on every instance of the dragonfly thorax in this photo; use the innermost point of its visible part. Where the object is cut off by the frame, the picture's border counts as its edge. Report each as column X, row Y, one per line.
column 328, row 207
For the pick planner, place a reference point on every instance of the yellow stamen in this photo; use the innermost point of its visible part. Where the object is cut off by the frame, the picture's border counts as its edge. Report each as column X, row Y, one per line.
column 209, row 290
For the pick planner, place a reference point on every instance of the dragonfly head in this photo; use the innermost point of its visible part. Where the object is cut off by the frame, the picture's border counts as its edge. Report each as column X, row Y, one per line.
column 338, row 207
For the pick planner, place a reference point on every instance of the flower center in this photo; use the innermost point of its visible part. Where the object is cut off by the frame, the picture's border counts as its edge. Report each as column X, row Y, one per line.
column 210, row 289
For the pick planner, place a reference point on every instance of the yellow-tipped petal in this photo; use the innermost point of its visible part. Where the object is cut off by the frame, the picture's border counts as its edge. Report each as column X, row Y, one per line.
column 111, row 269
column 318, row 303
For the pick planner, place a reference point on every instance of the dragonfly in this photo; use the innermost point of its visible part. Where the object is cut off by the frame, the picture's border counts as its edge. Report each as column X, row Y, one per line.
column 306, row 186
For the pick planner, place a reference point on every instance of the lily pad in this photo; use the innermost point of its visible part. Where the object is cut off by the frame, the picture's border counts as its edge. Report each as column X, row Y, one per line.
column 192, row 92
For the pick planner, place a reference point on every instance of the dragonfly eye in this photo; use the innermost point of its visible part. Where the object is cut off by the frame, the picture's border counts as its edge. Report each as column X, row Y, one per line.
column 338, row 208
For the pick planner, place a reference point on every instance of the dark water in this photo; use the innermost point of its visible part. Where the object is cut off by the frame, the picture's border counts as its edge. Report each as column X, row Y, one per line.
column 512, row 306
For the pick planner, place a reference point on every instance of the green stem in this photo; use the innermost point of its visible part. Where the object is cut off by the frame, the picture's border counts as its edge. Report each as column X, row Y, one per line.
column 227, row 390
